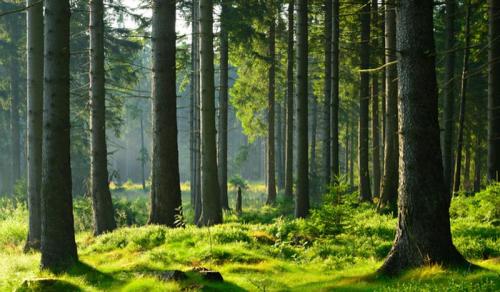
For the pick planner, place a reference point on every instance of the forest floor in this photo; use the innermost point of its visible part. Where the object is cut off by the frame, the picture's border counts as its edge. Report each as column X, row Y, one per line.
column 339, row 247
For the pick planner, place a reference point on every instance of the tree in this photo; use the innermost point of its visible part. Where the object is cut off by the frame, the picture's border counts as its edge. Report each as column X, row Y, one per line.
column 211, row 212
column 423, row 234
column 289, row 106
column 34, row 19
column 302, row 195
column 494, row 92
column 271, row 149
column 102, row 205
column 389, row 187
column 328, row 94
column 375, row 109
column 364, row 101
column 335, row 105
column 165, row 187
column 58, row 234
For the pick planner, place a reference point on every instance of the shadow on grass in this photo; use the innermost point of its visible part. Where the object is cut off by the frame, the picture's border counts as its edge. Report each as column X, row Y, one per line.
column 93, row 276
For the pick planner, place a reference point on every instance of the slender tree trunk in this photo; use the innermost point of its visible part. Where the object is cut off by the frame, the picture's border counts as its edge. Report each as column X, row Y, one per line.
column 347, row 146
column 165, row 188
column 280, row 159
column 477, row 165
column 383, row 90
column 423, row 233
column 313, row 167
column 14, row 120
column 193, row 108
column 102, row 206
column 467, row 167
column 289, row 106
column 197, row 111
column 302, row 196
column 352, row 153
column 335, row 105
column 449, row 93
column 463, row 98
column 143, row 154
column 375, row 109
column 34, row 19
column 326, row 139
column 390, row 182
column 223, row 107
column 494, row 92
column 271, row 149
column 364, row 101
column 58, row 234
column 211, row 212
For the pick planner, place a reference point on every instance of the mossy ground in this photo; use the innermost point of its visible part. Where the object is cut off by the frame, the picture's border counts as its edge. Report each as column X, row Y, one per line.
column 258, row 252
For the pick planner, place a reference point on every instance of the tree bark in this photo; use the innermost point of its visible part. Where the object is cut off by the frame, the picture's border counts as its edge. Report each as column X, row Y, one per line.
column 211, row 212
column 289, row 105
column 375, row 109
column 34, row 19
column 313, row 164
column 223, row 107
column 58, row 234
column 364, row 101
column 423, row 235
column 335, row 105
column 165, row 187
column 302, row 196
column 102, row 206
column 327, row 107
column 271, row 149
column 477, row 165
column 494, row 92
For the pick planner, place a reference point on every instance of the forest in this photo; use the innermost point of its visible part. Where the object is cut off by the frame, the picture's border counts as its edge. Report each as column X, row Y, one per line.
column 249, row 145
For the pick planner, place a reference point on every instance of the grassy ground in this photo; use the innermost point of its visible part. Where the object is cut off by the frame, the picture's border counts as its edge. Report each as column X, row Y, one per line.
column 338, row 248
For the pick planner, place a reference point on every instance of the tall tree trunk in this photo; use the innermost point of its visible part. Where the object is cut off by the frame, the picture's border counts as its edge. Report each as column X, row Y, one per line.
column 302, row 196
column 313, row 164
column 280, row 159
column 423, row 233
column 467, row 184
column 326, row 138
column 477, row 165
column 165, row 187
column 196, row 185
column 34, row 19
column 102, row 206
column 383, row 90
column 390, row 182
column 375, row 109
column 494, row 92
column 463, row 98
column 223, row 107
column 289, row 106
column 193, row 107
column 58, row 234
column 449, row 93
column 352, row 153
column 211, row 212
column 14, row 119
column 364, row 101
column 271, row 149
column 335, row 91
column 143, row 154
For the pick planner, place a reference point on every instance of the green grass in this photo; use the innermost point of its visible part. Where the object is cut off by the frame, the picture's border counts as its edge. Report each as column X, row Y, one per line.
column 337, row 248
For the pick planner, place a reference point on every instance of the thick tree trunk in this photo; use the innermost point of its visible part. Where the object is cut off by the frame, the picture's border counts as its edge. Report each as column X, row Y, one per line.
column 192, row 105
column 423, row 233
column 102, row 206
column 335, row 91
column 449, row 93
column 165, row 188
column 364, row 101
column 211, row 212
column 375, row 109
column 34, row 19
column 271, row 149
column 223, row 108
column 326, row 138
column 289, row 106
column 494, row 92
column 302, row 196
column 58, row 234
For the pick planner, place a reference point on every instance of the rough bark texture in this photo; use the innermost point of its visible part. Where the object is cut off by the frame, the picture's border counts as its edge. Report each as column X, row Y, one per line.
column 34, row 19
column 423, row 233
column 389, row 187
column 271, row 149
column 102, row 206
column 223, row 107
column 302, row 195
column 58, row 234
column 449, row 92
column 375, row 109
column 326, row 138
column 364, row 102
column 335, row 172
column 494, row 92
column 211, row 212
column 289, row 106
column 165, row 187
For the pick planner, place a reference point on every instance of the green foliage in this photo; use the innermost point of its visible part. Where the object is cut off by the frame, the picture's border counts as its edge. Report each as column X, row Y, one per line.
column 237, row 181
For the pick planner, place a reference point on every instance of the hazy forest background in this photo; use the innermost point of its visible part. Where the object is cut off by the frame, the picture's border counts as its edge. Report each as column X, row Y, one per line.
column 229, row 145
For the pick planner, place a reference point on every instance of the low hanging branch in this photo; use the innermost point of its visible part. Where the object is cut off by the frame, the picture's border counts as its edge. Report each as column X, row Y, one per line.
column 372, row 70
column 20, row 9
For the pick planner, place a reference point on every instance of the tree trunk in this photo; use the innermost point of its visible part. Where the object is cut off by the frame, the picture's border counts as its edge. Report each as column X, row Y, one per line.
column 467, row 184
column 364, row 101
column 289, row 106
column 389, row 187
column 477, row 165
column 423, row 235
column 302, row 196
column 494, row 92
column 313, row 167
column 463, row 92
column 449, row 93
column 165, row 188
column 223, row 107
column 58, row 234
column 271, row 149
column 335, row 91
column 280, row 160
column 34, row 19
column 143, row 154
column 102, row 206
column 193, row 108
column 14, row 120
column 211, row 212
column 326, row 139
column 238, row 201
column 375, row 114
